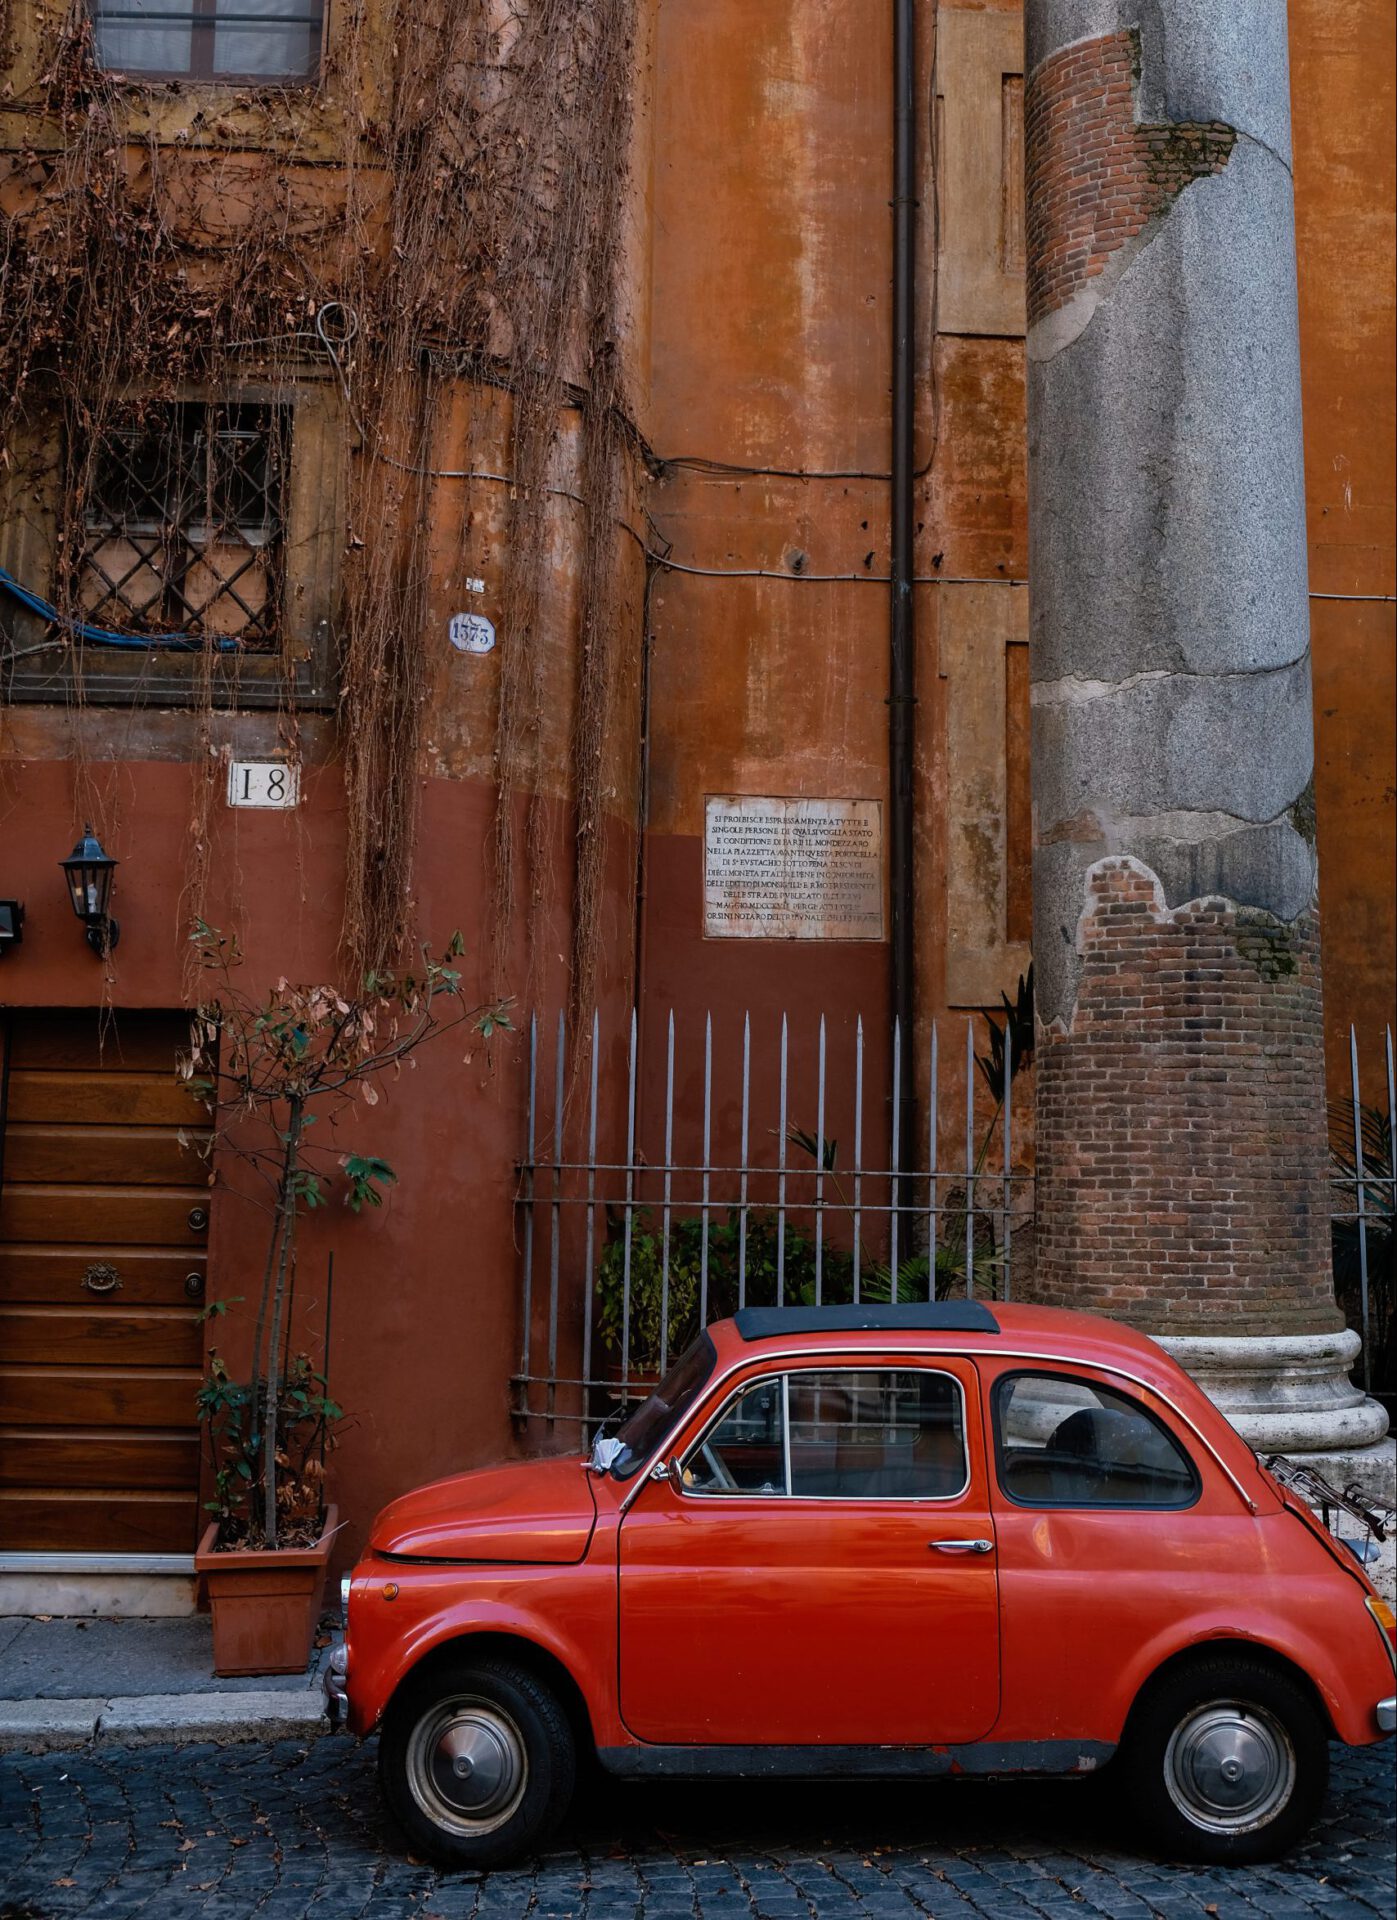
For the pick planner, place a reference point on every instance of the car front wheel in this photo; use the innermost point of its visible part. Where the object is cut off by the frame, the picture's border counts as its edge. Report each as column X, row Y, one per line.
column 477, row 1762
column 1226, row 1761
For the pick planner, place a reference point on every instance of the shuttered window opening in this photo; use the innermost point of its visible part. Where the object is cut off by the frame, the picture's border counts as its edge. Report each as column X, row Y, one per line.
column 103, row 1231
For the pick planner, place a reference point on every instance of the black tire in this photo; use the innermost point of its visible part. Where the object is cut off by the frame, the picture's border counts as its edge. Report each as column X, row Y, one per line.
column 1224, row 1761
column 477, row 1762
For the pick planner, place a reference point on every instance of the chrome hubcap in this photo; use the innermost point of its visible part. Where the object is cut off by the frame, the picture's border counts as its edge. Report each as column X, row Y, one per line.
column 1229, row 1766
column 466, row 1765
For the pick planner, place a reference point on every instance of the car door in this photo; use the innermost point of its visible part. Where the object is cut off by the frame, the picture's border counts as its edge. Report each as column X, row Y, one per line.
column 824, row 1574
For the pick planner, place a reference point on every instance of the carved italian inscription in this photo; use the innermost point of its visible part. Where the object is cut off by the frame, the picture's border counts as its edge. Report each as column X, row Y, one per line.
column 776, row 869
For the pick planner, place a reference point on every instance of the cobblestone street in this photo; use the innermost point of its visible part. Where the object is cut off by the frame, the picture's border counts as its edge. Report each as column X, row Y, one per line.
column 203, row 1833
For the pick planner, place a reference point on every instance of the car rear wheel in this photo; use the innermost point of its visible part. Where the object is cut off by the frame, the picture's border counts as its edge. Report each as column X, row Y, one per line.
column 477, row 1762
column 1225, row 1761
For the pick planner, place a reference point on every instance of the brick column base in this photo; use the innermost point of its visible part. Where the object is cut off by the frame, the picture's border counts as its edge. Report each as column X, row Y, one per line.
column 1180, row 1119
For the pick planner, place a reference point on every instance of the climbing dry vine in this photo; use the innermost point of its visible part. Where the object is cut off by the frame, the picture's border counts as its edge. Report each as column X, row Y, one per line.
column 432, row 240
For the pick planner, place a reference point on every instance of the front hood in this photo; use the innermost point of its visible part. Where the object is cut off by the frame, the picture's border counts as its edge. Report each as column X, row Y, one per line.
column 532, row 1511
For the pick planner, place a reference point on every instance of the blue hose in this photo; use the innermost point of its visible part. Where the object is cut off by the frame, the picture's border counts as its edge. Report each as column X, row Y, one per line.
column 105, row 636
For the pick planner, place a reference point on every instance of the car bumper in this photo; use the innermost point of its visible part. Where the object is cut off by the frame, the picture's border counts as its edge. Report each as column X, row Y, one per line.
column 335, row 1683
column 1387, row 1713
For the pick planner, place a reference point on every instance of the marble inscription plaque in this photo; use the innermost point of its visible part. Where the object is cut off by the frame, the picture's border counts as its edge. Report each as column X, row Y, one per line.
column 776, row 869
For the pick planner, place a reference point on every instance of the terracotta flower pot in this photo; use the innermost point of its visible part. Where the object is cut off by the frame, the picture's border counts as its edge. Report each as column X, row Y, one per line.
column 265, row 1605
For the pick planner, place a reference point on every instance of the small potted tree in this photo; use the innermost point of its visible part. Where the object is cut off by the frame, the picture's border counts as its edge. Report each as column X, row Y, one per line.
column 269, row 1070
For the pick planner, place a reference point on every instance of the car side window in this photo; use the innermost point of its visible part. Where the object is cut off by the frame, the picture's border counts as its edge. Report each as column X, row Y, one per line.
column 1063, row 1442
column 852, row 1435
column 746, row 1451
column 877, row 1436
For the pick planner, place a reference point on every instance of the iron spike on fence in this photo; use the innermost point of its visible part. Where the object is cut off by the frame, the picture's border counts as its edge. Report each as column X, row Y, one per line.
column 893, row 1192
column 668, row 1193
column 820, row 1169
column 781, row 1173
column 933, row 1190
column 970, row 1159
column 630, row 1214
column 858, row 1147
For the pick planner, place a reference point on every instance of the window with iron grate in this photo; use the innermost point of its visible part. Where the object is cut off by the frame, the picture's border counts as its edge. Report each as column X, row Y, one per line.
column 215, row 41
column 183, row 528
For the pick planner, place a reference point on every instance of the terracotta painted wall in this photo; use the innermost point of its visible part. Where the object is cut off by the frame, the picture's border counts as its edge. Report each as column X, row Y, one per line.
column 426, row 1325
column 1343, row 57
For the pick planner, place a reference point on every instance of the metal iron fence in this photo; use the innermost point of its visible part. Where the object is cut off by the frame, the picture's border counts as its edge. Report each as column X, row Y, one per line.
column 725, row 1195
column 1363, row 1185
column 657, row 1196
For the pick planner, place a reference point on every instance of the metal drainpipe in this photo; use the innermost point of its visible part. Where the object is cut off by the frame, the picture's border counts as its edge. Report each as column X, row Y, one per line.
column 901, row 694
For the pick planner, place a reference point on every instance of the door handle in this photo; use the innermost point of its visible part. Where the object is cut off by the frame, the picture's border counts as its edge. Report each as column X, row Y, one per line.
column 961, row 1546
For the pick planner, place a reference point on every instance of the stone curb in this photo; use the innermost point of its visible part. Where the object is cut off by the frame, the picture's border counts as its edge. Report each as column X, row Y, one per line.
column 43, row 1726
column 165, row 1719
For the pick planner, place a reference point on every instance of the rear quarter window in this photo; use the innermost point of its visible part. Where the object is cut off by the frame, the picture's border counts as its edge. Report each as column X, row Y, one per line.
column 1060, row 1441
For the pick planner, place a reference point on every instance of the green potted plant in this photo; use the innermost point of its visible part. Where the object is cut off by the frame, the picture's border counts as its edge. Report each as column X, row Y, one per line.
column 269, row 1070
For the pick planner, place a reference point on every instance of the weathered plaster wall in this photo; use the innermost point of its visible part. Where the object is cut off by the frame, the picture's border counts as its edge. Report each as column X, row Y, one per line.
column 770, row 291
column 1343, row 65
column 426, row 1304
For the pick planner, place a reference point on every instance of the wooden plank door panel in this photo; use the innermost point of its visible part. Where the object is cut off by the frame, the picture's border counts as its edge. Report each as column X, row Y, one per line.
column 98, row 1397
column 104, row 1216
column 72, row 1098
column 150, row 1276
column 113, row 1521
column 103, row 1336
column 129, row 1457
column 90, row 1156
column 96, row 1042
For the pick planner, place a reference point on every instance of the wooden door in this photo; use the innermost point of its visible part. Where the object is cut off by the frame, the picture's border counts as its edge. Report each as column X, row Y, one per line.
column 103, row 1229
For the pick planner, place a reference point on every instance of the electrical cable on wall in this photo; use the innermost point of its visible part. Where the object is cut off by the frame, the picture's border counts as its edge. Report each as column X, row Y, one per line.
column 100, row 636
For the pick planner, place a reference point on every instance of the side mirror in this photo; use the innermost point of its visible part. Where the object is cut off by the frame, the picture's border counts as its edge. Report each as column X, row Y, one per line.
column 668, row 1470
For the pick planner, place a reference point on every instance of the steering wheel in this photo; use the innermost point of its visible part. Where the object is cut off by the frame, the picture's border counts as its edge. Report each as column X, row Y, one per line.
column 718, row 1469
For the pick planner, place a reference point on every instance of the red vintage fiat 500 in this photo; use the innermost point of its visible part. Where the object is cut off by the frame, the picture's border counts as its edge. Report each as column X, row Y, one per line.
column 886, row 1541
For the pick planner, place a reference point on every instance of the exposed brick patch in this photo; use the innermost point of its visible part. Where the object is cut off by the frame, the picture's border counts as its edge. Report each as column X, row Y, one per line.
column 1180, row 1119
column 1096, row 177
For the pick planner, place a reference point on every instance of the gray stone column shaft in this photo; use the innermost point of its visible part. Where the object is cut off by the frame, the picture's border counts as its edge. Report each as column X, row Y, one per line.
column 1181, row 1140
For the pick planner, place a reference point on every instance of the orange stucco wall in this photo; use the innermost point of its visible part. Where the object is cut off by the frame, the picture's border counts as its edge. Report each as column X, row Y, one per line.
column 1343, row 61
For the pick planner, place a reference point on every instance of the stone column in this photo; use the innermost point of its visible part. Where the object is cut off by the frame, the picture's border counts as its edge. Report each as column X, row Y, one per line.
column 1182, row 1165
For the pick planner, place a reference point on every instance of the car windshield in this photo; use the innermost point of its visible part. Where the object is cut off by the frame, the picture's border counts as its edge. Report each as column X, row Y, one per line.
column 636, row 1439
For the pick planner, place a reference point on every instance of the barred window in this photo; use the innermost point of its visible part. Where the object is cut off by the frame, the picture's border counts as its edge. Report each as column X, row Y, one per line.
column 183, row 529
column 210, row 40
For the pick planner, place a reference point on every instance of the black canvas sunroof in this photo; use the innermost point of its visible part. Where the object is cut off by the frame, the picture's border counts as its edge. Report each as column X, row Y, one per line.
column 926, row 1316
